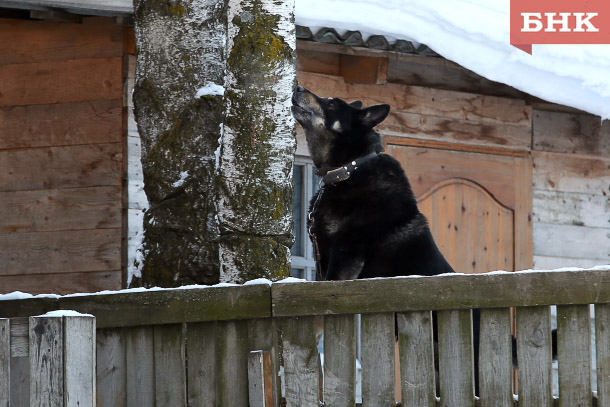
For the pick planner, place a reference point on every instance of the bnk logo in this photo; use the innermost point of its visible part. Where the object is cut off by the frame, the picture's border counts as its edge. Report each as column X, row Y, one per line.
column 559, row 22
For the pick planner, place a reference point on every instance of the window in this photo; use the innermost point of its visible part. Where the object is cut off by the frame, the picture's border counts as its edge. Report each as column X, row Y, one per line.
column 306, row 184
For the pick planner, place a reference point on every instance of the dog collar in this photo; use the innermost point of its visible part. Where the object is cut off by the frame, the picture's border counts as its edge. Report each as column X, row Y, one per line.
column 343, row 173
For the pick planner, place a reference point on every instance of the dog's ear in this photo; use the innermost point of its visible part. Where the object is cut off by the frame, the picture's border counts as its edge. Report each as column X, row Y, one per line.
column 372, row 116
column 357, row 104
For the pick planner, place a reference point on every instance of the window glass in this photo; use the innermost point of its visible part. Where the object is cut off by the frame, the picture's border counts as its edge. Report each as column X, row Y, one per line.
column 297, row 206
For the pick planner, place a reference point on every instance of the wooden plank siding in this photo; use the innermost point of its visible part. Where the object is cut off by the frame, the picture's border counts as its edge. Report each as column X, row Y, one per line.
column 62, row 155
column 571, row 189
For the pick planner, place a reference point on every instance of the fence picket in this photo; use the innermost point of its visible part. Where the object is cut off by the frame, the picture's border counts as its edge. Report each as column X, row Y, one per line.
column 46, row 362
column 455, row 355
column 602, row 346
column 20, row 362
column 378, row 359
column 534, row 356
column 260, row 391
column 170, row 365
column 340, row 360
column 5, row 361
column 20, row 381
column 495, row 358
column 79, row 360
column 301, row 362
column 416, row 349
column 202, row 356
column 233, row 364
column 263, row 333
column 139, row 366
column 574, row 355
column 110, row 372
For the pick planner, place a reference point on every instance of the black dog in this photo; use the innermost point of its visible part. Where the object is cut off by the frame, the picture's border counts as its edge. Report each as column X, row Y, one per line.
column 364, row 221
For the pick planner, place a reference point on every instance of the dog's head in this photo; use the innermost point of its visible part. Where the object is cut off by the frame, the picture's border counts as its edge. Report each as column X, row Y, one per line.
column 337, row 131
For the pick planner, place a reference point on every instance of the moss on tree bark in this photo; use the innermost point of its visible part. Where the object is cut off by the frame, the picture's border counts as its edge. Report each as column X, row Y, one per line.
column 217, row 168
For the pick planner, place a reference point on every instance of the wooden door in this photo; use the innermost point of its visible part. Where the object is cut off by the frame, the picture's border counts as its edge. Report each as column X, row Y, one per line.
column 473, row 230
column 478, row 205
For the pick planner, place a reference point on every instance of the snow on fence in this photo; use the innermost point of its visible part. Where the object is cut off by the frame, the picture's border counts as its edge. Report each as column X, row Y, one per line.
column 256, row 344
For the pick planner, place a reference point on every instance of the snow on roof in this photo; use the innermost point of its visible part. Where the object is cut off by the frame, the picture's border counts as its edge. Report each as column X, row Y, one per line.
column 475, row 34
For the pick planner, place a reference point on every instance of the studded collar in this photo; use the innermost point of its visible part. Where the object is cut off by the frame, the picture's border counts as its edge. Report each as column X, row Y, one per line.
column 335, row 175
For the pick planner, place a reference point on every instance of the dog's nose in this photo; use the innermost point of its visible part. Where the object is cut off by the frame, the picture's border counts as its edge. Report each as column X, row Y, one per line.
column 299, row 89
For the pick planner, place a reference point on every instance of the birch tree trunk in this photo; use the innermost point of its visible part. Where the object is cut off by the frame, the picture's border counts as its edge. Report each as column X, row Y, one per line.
column 212, row 95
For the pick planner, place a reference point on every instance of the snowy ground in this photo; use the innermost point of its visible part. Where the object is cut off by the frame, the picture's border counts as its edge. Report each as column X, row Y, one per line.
column 476, row 35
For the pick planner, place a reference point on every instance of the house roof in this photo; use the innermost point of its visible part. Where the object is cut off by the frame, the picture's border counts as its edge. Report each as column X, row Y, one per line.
column 357, row 39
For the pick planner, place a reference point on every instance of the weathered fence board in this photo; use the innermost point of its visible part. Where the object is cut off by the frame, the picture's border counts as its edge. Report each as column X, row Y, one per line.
column 5, row 362
column 416, row 350
column 174, row 306
column 194, row 350
column 169, row 365
column 202, row 356
column 301, row 362
column 534, row 356
column 340, row 360
column 110, row 372
column 378, row 360
column 46, row 362
column 233, row 364
column 495, row 359
column 20, row 381
column 139, row 366
column 79, row 360
column 263, row 334
column 498, row 290
column 574, row 355
column 455, row 358
column 260, row 392
column 602, row 348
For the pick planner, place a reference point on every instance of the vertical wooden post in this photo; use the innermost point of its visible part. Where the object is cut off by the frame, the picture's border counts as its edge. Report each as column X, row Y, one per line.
column 301, row 370
column 170, row 365
column 5, row 361
column 378, row 358
column 79, row 361
column 455, row 354
column 574, row 354
column 260, row 389
column 232, row 385
column 602, row 346
column 416, row 350
column 340, row 360
column 202, row 367
column 495, row 360
column 46, row 362
column 110, row 370
column 62, row 360
column 534, row 356
column 139, row 366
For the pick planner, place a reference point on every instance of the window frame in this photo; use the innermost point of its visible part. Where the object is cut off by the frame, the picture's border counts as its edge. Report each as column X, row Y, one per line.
column 305, row 263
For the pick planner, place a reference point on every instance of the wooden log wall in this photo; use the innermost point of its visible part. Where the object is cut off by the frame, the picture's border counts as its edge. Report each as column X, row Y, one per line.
column 61, row 155
column 571, row 188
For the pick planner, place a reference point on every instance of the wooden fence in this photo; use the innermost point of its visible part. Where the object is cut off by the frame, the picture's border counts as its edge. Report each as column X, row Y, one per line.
column 198, row 347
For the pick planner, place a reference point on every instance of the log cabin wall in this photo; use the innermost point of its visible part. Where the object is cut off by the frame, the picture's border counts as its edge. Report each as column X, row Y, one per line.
column 571, row 188
column 62, row 155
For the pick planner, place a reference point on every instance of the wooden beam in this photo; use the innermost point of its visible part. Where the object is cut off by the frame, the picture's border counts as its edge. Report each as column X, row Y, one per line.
column 452, row 291
column 107, row 8
column 450, row 145
column 174, row 306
